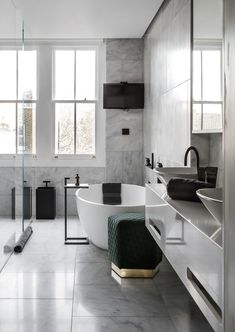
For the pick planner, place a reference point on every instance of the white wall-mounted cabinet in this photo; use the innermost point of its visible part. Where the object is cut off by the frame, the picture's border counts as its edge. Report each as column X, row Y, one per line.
column 182, row 230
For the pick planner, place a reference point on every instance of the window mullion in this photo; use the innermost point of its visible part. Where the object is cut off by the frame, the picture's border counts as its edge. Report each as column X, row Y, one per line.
column 202, row 90
column 75, row 106
column 17, row 90
column 75, row 128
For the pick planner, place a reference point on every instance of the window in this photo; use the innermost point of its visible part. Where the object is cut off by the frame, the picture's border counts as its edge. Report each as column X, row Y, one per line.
column 207, row 89
column 18, row 76
column 75, row 99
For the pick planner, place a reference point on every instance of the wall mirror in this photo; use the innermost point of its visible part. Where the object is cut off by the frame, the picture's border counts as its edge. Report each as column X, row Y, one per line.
column 207, row 62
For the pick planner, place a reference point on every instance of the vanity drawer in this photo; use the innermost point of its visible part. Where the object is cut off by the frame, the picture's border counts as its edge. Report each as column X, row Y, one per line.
column 165, row 225
column 194, row 256
column 205, row 260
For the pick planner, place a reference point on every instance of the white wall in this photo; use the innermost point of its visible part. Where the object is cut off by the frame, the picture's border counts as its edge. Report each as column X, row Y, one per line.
column 208, row 19
column 229, row 160
column 167, row 83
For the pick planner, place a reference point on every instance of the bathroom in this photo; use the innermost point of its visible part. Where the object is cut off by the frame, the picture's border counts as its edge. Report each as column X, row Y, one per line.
column 55, row 123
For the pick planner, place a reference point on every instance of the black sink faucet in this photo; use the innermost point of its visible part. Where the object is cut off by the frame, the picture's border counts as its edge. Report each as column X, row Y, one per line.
column 196, row 153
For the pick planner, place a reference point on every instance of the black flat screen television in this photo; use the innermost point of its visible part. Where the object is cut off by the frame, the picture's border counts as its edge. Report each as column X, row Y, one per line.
column 123, row 95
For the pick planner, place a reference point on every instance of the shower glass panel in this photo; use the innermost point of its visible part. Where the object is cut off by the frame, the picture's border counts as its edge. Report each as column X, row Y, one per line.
column 11, row 157
column 27, row 92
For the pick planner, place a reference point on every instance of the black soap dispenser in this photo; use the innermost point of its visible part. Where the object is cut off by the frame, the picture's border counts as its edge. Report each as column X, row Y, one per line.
column 46, row 202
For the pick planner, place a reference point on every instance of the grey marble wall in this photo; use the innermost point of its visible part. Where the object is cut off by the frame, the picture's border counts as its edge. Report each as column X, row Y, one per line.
column 167, row 82
column 124, row 154
column 216, row 156
column 210, row 148
column 12, row 177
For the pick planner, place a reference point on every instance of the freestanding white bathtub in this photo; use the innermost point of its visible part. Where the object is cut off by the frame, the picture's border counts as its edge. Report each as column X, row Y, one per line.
column 93, row 214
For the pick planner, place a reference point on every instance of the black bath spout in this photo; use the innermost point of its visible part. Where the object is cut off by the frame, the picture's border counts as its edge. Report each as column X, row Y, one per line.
column 196, row 153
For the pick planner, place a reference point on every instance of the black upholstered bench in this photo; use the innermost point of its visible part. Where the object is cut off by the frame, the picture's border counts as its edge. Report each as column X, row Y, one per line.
column 132, row 250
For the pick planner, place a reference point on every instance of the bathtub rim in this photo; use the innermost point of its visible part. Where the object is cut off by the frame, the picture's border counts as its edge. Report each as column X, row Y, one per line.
column 111, row 205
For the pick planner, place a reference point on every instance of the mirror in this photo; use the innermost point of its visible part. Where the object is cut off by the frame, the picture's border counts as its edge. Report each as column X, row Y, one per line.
column 207, row 96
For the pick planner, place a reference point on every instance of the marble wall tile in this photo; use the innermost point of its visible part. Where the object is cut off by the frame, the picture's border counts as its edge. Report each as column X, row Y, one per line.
column 125, row 143
column 92, row 175
column 7, row 179
column 19, row 205
column 216, row 156
column 71, row 205
column 124, row 49
column 89, row 175
column 132, row 119
column 28, row 175
column 133, row 71
column 201, row 142
column 5, row 205
column 114, row 167
column 133, row 167
column 210, row 147
column 35, row 177
column 56, row 175
column 114, row 71
column 124, row 63
column 216, row 150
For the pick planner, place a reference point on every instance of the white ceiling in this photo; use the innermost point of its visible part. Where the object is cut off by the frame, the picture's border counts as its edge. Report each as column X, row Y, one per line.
column 52, row 19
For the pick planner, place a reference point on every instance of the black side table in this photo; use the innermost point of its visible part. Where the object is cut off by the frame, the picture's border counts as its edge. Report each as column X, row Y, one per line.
column 72, row 240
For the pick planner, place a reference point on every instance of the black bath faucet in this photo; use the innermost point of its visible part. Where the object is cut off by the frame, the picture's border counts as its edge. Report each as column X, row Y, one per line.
column 196, row 153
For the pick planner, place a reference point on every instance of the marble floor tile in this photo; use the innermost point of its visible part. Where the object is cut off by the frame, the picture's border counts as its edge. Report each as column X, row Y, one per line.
column 91, row 254
column 186, row 315
column 136, row 283
column 114, row 300
column 36, row 285
column 48, row 247
column 39, row 291
column 165, row 266
column 35, row 315
column 93, row 273
column 29, row 262
column 122, row 324
column 169, row 284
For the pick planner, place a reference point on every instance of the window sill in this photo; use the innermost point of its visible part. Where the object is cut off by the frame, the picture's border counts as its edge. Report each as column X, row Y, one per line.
column 212, row 131
column 74, row 157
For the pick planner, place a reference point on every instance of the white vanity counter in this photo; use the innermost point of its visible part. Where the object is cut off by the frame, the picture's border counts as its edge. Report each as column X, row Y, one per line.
column 193, row 212
column 182, row 230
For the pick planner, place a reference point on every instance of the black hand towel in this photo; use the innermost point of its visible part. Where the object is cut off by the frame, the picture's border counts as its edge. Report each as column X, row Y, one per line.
column 185, row 189
column 111, row 193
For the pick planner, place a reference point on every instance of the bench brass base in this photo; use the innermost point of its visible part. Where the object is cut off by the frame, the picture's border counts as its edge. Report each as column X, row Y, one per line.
column 134, row 273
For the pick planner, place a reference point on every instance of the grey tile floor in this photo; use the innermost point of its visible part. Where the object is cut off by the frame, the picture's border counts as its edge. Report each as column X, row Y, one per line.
column 55, row 288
